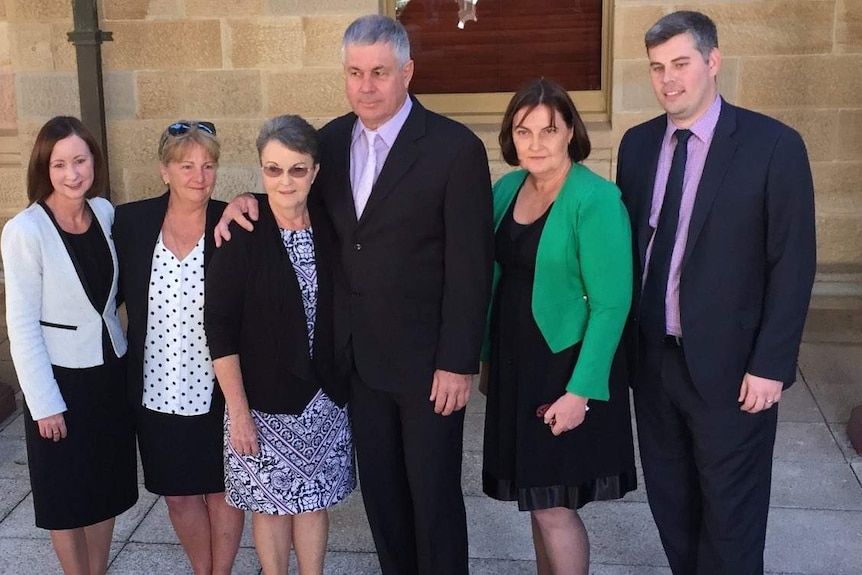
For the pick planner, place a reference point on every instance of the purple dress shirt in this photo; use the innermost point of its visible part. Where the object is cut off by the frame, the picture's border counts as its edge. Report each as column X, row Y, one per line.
column 698, row 147
column 386, row 135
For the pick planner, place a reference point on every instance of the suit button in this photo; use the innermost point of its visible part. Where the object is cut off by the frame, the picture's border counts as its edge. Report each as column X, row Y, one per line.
column 357, row 247
column 355, row 293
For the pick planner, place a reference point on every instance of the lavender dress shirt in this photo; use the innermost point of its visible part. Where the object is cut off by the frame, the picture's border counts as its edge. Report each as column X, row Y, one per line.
column 386, row 135
column 698, row 147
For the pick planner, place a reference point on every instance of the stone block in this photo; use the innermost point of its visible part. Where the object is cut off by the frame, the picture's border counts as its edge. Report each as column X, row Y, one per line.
column 43, row 95
column 160, row 94
column 839, row 239
column 310, row 7
column 31, row 46
column 849, row 134
column 139, row 9
column 13, row 189
column 265, row 43
column 800, row 81
column 235, row 180
column 136, row 558
column 763, row 28
column 132, row 184
column 854, row 428
column 323, row 39
column 134, row 144
column 833, row 373
column 63, row 51
column 819, row 129
column 630, row 24
column 8, row 116
column 601, row 167
column 162, row 45
column 848, row 26
column 5, row 45
column 199, row 95
column 313, row 92
column 632, row 90
column 120, row 95
column 237, row 138
column 224, row 8
column 836, row 186
column 38, row 11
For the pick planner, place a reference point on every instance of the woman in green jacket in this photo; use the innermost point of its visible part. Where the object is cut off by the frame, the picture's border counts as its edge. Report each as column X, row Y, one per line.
column 562, row 292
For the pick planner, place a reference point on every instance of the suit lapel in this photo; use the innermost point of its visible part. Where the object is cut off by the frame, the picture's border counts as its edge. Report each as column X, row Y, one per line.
column 401, row 157
column 718, row 159
column 333, row 188
column 650, row 153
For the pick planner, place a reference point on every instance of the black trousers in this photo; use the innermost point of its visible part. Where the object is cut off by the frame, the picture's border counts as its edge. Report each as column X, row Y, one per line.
column 707, row 469
column 410, row 475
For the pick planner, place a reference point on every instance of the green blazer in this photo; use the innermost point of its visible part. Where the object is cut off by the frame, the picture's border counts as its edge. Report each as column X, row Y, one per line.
column 583, row 285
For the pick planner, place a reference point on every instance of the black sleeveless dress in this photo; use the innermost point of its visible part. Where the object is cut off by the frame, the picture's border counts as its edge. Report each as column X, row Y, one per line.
column 523, row 461
column 91, row 475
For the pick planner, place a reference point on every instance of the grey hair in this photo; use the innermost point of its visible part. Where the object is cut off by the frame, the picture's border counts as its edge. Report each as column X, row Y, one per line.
column 293, row 132
column 374, row 28
column 699, row 25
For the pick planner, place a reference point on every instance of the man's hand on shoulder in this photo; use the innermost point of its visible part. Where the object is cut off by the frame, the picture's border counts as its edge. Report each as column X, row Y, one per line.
column 450, row 391
column 243, row 210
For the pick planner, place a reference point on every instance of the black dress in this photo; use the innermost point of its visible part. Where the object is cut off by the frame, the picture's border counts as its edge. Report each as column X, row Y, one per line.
column 91, row 475
column 523, row 461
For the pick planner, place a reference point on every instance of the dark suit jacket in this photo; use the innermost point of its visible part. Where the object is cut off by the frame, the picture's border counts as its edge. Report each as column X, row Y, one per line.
column 749, row 263
column 254, row 308
column 417, row 265
column 136, row 231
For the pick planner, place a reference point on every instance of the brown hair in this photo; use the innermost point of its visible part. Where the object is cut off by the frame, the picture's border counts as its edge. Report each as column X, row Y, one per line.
column 59, row 128
column 173, row 148
column 544, row 92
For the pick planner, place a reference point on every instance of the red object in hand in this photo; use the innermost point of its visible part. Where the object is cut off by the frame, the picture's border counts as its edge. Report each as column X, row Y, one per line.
column 540, row 411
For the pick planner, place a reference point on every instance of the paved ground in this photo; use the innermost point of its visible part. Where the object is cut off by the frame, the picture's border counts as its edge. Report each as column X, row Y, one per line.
column 815, row 523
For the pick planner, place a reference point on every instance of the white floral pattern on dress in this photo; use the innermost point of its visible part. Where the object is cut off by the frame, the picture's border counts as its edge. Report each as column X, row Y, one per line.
column 305, row 462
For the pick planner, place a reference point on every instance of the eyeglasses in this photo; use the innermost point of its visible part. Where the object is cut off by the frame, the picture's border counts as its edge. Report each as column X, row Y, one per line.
column 296, row 172
column 181, row 128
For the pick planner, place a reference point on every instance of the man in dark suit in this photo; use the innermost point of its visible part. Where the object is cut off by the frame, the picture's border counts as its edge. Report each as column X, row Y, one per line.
column 409, row 193
column 722, row 210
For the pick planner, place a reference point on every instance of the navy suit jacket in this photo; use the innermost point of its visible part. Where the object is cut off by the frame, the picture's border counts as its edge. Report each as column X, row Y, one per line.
column 417, row 264
column 749, row 262
column 136, row 230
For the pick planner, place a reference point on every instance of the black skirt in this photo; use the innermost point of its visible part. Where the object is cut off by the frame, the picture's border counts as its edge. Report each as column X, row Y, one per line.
column 91, row 475
column 182, row 455
column 523, row 461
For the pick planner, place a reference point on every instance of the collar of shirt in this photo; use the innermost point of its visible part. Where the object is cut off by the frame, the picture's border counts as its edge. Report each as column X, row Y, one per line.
column 390, row 129
column 703, row 129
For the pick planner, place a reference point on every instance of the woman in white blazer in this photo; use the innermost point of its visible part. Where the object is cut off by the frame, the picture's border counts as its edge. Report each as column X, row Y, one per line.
column 68, row 347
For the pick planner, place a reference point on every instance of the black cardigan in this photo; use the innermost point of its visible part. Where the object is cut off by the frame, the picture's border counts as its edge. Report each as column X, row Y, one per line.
column 254, row 309
column 135, row 232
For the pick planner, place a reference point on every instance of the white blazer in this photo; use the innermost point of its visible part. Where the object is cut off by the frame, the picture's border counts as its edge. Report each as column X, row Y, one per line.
column 49, row 317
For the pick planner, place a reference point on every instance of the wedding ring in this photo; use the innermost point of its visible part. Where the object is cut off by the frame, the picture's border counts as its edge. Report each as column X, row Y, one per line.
column 769, row 401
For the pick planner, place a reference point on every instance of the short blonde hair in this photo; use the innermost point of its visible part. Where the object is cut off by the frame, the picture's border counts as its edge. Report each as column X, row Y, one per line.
column 173, row 148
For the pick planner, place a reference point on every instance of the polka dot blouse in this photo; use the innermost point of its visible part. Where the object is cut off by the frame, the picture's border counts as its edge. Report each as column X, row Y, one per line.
column 178, row 373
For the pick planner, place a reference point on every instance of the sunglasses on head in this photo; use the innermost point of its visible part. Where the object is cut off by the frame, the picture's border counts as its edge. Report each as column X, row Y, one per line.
column 181, row 128
column 297, row 172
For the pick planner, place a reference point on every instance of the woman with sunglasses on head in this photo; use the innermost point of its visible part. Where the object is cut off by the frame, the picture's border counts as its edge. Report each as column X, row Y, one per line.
column 165, row 246
column 68, row 347
column 288, row 447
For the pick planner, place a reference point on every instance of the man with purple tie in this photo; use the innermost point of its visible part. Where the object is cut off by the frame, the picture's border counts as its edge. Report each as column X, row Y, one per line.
column 722, row 210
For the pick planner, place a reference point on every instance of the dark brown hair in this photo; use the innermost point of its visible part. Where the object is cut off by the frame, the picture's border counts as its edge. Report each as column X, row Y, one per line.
column 544, row 92
column 39, row 184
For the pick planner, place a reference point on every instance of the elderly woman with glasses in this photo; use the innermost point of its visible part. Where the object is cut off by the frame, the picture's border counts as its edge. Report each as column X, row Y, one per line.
column 269, row 311
column 165, row 245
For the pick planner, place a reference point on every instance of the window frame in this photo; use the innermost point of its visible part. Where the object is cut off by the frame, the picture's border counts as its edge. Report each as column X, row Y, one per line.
column 481, row 108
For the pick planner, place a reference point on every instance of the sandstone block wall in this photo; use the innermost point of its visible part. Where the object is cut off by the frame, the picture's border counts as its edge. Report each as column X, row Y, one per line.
column 238, row 62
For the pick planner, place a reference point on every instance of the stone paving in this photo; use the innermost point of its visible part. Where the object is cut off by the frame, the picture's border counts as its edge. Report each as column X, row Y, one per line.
column 815, row 522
